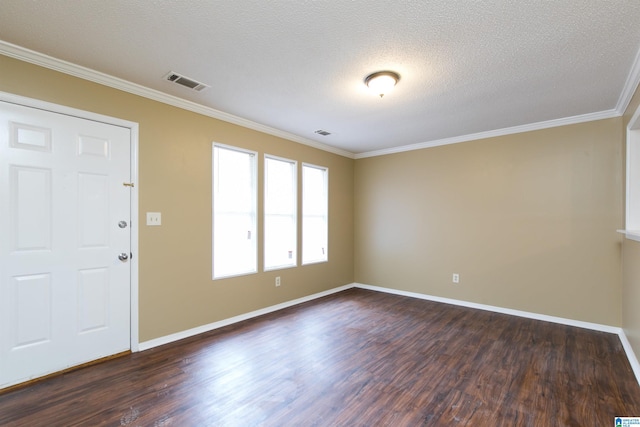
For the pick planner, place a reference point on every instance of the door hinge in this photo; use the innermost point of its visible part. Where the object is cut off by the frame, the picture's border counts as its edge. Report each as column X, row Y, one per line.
column 128, row 184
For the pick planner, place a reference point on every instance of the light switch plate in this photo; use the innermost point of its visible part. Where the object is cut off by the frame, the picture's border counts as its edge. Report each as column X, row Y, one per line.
column 154, row 218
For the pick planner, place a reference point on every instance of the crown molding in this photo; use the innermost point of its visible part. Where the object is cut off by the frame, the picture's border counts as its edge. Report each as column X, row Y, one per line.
column 26, row 55
column 629, row 89
column 37, row 58
column 630, row 86
column 494, row 133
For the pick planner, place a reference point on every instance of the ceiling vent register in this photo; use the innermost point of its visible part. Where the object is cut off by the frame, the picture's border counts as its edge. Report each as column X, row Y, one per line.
column 185, row 81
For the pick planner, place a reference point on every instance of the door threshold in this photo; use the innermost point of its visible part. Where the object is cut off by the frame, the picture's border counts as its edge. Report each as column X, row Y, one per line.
column 64, row 371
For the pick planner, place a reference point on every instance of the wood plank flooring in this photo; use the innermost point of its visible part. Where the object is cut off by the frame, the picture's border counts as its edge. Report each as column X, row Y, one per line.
column 356, row 358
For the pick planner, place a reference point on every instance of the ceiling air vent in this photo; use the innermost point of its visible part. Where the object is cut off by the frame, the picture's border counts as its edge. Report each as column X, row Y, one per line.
column 185, row 81
column 322, row 132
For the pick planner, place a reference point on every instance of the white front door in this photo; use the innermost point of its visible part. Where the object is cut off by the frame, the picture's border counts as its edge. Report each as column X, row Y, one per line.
column 65, row 218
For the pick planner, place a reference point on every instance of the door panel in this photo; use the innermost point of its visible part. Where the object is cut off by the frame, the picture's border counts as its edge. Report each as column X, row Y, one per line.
column 64, row 294
column 93, row 301
column 30, row 208
column 31, row 297
column 93, row 206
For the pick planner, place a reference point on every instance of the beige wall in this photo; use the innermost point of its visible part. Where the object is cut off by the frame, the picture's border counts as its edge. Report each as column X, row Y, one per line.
column 528, row 221
column 175, row 287
column 631, row 266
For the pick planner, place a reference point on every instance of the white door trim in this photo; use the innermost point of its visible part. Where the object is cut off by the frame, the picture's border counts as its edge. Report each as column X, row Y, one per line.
column 43, row 105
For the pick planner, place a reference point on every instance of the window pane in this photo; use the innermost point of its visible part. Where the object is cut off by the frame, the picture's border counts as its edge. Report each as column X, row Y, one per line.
column 234, row 212
column 233, row 248
column 314, row 239
column 279, row 213
column 314, row 214
column 280, row 233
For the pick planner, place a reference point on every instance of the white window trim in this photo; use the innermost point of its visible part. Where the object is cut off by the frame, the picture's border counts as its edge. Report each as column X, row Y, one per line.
column 295, row 214
column 632, row 199
column 256, row 171
column 326, row 177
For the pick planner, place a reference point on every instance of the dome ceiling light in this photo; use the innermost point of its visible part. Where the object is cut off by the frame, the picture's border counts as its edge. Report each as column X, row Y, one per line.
column 382, row 82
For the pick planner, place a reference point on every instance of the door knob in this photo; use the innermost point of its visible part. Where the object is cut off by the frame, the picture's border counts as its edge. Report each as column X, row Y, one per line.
column 123, row 256
column 122, row 224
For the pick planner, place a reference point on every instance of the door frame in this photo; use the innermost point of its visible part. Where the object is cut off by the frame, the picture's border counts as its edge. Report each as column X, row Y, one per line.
column 133, row 127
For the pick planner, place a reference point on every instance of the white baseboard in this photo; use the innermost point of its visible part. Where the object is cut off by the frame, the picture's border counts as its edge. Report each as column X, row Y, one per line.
column 495, row 309
column 633, row 360
column 631, row 355
column 146, row 345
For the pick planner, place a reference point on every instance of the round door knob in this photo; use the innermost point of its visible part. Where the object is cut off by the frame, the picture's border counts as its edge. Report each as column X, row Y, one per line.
column 122, row 224
column 123, row 256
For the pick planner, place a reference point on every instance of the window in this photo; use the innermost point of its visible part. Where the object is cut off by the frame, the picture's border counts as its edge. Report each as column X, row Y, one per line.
column 280, row 212
column 315, row 217
column 633, row 178
column 234, row 212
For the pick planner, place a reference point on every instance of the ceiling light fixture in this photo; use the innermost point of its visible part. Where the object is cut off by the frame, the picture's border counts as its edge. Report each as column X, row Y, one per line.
column 382, row 82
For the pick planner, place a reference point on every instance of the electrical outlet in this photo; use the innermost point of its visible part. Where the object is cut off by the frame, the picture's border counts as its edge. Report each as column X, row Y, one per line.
column 154, row 218
column 278, row 281
column 456, row 278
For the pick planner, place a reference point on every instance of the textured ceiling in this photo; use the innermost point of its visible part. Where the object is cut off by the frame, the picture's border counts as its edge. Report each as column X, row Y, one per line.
column 466, row 67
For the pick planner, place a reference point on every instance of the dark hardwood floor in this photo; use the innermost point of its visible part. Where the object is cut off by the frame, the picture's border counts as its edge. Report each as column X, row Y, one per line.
column 356, row 358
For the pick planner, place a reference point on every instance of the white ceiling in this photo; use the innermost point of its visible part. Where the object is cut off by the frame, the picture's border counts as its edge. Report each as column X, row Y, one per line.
column 467, row 67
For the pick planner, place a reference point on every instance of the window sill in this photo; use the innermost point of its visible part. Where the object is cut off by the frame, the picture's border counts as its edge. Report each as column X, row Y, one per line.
column 631, row 234
column 320, row 261
column 280, row 267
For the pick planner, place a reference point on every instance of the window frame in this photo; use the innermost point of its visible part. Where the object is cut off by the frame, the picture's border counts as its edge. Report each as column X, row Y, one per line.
column 294, row 214
column 325, row 169
column 254, row 205
column 632, row 196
